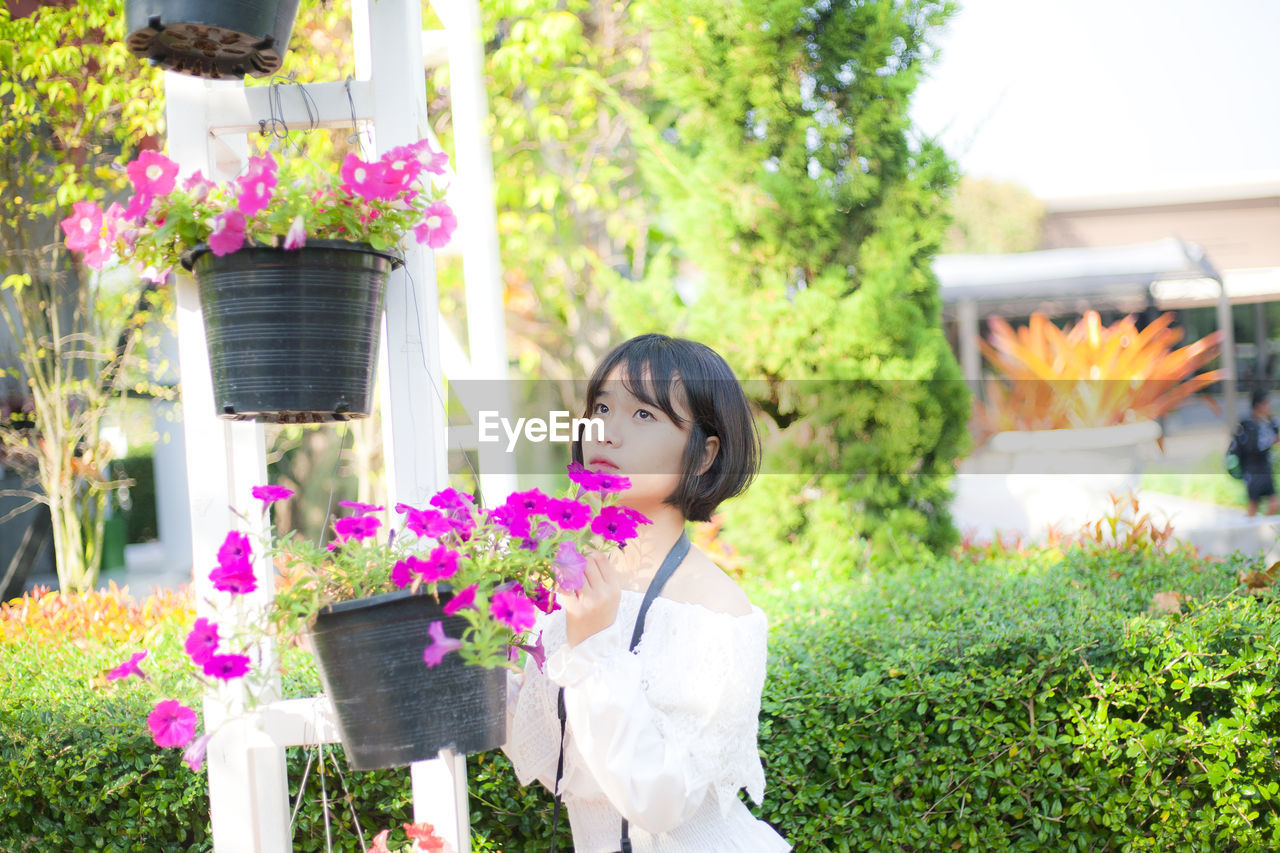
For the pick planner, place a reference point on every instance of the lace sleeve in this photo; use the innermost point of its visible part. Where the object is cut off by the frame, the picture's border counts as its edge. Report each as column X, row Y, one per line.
column 664, row 727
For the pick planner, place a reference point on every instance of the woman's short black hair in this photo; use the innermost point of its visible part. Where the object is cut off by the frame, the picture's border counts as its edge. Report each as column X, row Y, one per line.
column 653, row 368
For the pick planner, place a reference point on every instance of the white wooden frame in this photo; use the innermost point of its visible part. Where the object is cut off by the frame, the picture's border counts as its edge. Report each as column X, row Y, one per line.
column 248, row 788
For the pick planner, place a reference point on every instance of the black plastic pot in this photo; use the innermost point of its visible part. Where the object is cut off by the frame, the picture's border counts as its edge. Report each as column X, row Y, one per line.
column 218, row 39
column 392, row 708
column 293, row 334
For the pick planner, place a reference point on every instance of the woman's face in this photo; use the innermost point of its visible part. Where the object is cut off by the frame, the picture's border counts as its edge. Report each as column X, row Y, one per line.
column 640, row 442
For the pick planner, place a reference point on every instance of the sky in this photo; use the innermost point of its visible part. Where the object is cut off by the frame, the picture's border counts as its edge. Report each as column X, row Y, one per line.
column 1081, row 97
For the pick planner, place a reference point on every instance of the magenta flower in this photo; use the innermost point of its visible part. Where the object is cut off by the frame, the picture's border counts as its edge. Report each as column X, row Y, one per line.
column 440, row 565
column 569, row 567
column 171, row 723
column 434, row 162
column 400, row 168
column 194, row 754
column 441, row 645
column 128, row 668
column 537, row 652
column 198, row 185
column 615, row 524
column 270, row 494
column 202, row 642
column 363, row 179
column 234, row 549
column 512, row 608
column 543, row 601
column 463, row 599
column 256, row 185
column 437, row 226
column 235, row 578
column 597, row 481
column 226, row 667
column 568, row 513
column 153, row 174
column 426, row 522
column 296, row 236
column 357, row 527
column 451, row 500
column 84, row 226
column 228, row 233
column 361, row 508
column 512, row 519
column 529, row 502
column 402, row 572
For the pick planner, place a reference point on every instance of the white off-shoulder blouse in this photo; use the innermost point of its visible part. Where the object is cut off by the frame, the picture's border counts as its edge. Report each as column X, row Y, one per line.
column 665, row 737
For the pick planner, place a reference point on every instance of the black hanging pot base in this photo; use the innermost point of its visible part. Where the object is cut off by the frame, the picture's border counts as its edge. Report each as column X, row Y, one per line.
column 392, row 708
column 293, row 334
column 217, row 39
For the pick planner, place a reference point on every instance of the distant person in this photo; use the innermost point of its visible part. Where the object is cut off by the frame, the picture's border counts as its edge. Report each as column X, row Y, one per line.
column 1257, row 434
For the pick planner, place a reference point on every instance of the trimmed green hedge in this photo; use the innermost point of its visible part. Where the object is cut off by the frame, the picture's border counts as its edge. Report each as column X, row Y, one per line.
column 1025, row 702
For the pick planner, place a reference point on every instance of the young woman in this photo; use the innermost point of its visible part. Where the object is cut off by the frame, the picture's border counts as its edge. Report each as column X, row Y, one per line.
column 655, row 743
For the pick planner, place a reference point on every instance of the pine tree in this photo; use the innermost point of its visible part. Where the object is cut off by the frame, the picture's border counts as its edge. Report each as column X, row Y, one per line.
column 793, row 182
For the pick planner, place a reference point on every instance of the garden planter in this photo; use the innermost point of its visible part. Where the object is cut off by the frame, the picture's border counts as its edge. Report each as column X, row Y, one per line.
column 392, row 708
column 293, row 334
column 1065, row 477
column 218, row 39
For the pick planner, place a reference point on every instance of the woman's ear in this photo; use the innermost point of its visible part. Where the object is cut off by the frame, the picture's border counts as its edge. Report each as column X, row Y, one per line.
column 709, row 450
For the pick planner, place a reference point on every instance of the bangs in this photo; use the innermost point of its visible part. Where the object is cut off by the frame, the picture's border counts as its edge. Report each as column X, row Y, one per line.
column 639, row 365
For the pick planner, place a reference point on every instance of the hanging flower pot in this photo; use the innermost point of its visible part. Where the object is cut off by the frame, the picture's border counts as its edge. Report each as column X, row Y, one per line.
column 392, row 709
column 293, row 333
column 218, row 39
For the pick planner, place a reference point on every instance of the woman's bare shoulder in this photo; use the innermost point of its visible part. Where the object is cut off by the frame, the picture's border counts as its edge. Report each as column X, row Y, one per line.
column 700, row 581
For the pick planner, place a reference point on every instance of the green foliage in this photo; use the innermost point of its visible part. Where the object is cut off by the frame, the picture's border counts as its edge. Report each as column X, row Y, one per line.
column 796, row 188
column 1030, row 700
column 72, row 101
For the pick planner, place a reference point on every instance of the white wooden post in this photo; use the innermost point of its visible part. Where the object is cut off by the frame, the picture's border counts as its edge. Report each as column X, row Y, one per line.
column 248, row 785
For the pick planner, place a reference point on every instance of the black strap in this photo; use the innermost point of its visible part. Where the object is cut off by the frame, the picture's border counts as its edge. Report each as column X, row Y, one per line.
column 668, row 568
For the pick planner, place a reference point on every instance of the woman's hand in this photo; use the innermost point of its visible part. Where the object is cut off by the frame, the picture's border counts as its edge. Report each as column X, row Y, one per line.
column 594, row 607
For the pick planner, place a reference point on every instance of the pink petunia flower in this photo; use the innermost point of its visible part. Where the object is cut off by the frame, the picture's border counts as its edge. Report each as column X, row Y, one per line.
column 597, row 481
column 402, row 572
column 256, row 185
column 228, row 233
column 153, row 174
column 236, row 578
column 270, row 494
column 198, row 186
column 356, row 527
column 361, row 508
column 544, row 601
column 615, row 524
column 296, row 236
column 226, row 667
column 84, row 226
column 235, row 549
column 400, row 168
column 513, row 608
column 437, row 226
column 380, row 843
column 171, row 723
column 440, row 565
column 441, row 645
column 463, row 599
column 568, row 513
column 128, row 668
column 536, row 651
column 202, row 642
column 426, row 522
column 432, row 161
column 363, row 179
column 569, row 567
column 194, row 754
column 512, row 519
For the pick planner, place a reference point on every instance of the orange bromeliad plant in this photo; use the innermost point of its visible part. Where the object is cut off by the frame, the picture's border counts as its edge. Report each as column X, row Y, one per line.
column 1090, row 375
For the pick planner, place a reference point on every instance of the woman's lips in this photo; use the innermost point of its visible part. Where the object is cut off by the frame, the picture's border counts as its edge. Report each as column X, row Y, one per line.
column 601, row 463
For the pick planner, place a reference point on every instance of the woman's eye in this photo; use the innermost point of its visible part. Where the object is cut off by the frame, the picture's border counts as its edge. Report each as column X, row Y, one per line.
column 599, row 409
column 644, row 414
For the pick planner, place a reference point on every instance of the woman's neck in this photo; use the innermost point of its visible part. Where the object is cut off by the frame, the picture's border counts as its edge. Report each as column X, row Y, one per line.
column 642, row 556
